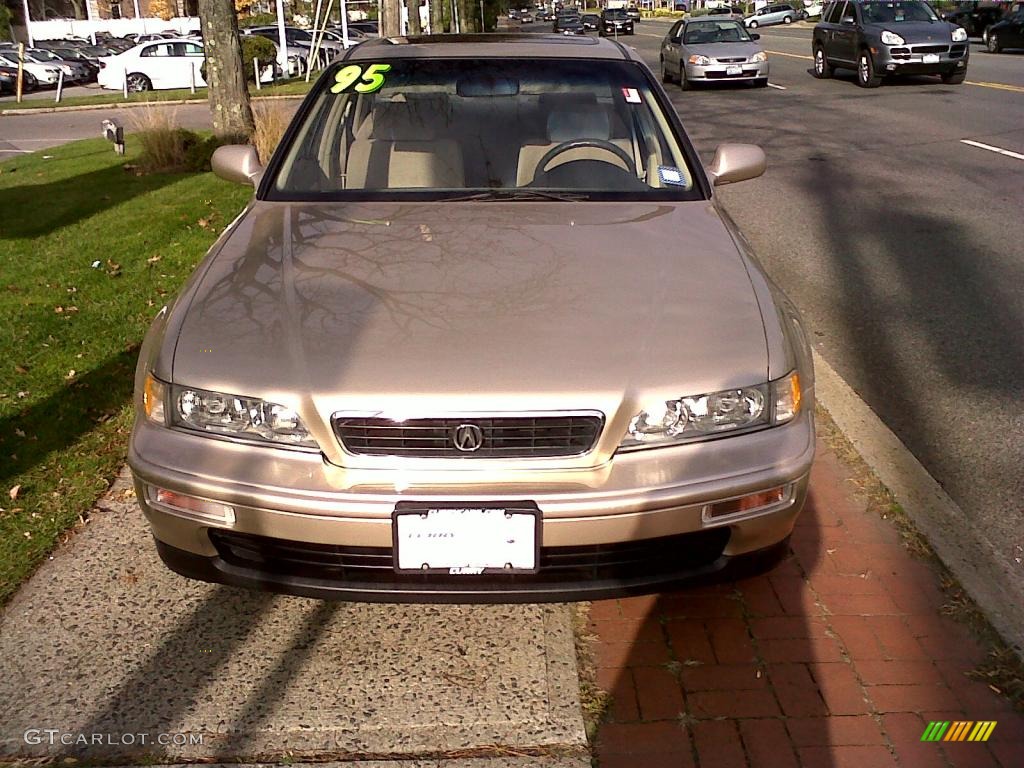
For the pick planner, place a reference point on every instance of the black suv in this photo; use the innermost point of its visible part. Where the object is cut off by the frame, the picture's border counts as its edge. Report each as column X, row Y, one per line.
column 1008, row 33
column 615, row 21
column 877, row 38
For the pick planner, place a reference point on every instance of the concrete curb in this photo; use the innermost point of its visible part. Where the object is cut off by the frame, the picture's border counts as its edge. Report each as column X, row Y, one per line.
column 968, row 554
column 131, row 105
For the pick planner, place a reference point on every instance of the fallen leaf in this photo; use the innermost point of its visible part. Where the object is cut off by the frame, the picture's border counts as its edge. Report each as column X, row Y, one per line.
column 71, row 374
column 23, row 394
column 19, row 432
column 58, row 310
column 154, row 259
column 13, row 493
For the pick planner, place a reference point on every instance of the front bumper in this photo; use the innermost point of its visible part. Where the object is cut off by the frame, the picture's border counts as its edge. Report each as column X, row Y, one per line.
column 726, row 71
column 618, row 29
column 922, row 60
column 658, row 497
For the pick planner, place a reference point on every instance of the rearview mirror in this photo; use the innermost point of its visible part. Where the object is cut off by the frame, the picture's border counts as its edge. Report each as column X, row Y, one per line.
column 755, row 36
column 238, row 163
column 736, row 162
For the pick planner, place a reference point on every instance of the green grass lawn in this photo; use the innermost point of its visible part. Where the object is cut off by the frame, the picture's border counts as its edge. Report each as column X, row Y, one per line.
column 69, row 331
column 297, row 87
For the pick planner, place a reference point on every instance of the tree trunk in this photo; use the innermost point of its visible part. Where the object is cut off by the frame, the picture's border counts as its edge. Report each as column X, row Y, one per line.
column 469, row 15
column 437, row 16
column 414, row 17
column 225, row 73
column 390, row 18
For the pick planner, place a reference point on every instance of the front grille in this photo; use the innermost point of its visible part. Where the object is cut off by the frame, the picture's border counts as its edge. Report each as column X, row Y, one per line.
column 643, row 559
column 501, row 437
column 930, row 48
column 957, row 51
column 734, row 60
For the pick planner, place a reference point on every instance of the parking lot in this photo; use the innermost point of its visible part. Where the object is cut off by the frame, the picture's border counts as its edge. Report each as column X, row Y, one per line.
column 890, row 217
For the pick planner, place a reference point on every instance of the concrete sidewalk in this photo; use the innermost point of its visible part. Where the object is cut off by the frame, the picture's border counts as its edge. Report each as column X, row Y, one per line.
column 104, row 640
column 838, row 658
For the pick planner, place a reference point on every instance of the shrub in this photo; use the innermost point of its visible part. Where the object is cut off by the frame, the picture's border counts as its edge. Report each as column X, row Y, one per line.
column 272, row 120
column 253, row 47
column 164, row 145
column 258, row 20
column 5, row 22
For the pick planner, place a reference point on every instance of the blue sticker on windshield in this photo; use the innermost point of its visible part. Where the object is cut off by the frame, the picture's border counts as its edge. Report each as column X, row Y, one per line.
column 670, row 175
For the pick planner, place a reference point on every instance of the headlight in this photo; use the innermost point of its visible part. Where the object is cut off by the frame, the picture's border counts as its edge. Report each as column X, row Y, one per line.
column 759, row 57
column 698, row 60
column 959, row 35
column 891, row 38
column 225, row 414
column 715, row 413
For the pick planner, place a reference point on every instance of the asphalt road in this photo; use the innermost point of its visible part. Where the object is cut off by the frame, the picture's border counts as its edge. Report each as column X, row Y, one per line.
column 902, row 245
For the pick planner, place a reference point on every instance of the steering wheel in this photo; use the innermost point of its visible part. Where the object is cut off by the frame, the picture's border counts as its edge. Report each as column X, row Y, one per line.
column 565, row 146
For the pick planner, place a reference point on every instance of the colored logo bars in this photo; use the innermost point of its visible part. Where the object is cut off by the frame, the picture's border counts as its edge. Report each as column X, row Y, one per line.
column 959, row 730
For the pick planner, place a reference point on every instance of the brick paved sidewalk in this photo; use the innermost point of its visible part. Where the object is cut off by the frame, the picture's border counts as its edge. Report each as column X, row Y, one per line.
column 838, row 658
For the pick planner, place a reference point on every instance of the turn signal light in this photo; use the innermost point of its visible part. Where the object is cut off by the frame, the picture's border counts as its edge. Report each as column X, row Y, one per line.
column 192, row 506
column 751, row 503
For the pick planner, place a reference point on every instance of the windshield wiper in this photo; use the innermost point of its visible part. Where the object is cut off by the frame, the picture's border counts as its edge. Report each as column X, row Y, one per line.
column 521, row 194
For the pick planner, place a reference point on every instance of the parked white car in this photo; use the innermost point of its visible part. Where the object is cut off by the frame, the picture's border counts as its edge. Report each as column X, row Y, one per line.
column 154, row 65
column 44, row 73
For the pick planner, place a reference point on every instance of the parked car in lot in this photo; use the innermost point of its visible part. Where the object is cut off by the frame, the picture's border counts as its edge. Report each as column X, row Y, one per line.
column 154, row 66
column 975, row 17
column 877, row 38
column 709, row 49
column 74, row 71
column 772, row 14
column 468, row 344
column 1008, row 33
column 614, row 21
column 43, row 74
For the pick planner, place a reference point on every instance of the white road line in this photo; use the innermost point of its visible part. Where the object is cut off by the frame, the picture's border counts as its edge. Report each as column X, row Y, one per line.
column 779, row 87
column 990, row 148
column 22, row 151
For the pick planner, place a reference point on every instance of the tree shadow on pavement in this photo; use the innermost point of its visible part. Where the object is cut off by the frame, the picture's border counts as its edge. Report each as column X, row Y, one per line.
column 711, row 674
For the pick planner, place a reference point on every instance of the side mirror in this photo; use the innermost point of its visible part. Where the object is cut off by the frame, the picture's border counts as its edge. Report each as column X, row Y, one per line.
column 755, row 36
column 238, row 163
column 736, row 162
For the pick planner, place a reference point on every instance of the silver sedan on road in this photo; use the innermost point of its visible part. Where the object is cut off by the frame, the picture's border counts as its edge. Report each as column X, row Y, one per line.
column 712, row 50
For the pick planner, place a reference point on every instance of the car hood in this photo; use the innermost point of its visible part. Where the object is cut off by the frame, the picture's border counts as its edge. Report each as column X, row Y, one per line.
column 920, row 31
column 724, row 50
column 473, row 305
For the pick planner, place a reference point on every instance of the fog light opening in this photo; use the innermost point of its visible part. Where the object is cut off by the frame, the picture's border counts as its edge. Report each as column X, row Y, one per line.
column 749, row 505
column 192, row 506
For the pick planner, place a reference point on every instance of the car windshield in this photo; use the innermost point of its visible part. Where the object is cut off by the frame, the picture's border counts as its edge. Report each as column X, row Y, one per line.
column 895, row 12
column 41, row 55
column 715, row 32
column 616, row 13
column 499, row 128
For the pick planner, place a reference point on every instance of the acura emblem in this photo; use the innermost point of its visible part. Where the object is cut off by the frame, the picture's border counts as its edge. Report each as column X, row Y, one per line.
column 468, row 438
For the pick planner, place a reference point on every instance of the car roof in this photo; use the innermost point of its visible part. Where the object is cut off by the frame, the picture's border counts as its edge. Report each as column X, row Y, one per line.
column 492, row 46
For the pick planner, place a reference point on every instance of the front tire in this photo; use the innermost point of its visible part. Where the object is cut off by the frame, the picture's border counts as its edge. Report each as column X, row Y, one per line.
column 752, row 25
column 866, row 75
column 994, row 45
column 822, row 69
column 138, row 82
column 787, row 19
column 684, row 82
column 761, row 82
column 953, row 78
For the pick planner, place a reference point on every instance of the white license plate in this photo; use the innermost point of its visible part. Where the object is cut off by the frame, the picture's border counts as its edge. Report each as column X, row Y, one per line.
column 930, row 58
column 465, row 540
column 734, row 70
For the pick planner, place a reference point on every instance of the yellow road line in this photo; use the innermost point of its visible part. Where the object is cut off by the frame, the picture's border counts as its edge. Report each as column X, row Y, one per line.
column 1000, row 86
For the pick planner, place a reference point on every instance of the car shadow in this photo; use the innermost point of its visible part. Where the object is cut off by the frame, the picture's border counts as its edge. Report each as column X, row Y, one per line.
column 57, row 422
column 70, row 199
